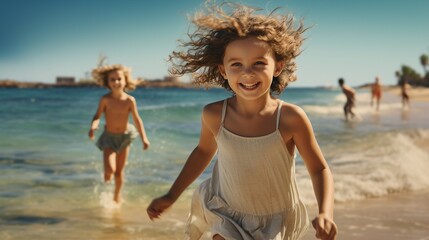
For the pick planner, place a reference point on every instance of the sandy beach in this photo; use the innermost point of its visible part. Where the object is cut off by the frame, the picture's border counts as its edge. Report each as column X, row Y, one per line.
column 397, row 216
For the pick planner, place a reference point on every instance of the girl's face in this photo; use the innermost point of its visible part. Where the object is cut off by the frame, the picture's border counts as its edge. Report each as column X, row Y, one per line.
column 116, row 80
column 249, row 66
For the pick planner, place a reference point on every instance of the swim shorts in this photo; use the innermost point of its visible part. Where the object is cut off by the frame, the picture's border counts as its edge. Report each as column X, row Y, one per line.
column 117, row 141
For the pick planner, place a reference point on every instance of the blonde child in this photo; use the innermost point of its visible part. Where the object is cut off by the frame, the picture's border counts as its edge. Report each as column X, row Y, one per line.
column 252, row 193
column 118, row 133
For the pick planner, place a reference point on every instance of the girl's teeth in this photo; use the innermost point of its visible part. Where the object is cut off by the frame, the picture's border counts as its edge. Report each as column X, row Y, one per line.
column 249, row 85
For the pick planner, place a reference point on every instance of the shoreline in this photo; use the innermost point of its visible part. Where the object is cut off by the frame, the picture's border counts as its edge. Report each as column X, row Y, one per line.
column 395, row 216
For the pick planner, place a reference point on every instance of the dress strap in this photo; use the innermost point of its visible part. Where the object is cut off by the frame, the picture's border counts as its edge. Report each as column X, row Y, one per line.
column 224, row 111
column 278, row 114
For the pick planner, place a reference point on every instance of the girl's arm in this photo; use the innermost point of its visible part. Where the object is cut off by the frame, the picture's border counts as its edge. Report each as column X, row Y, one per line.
column 96, row 118
column 321, row 177
column 139, row 123
column 197, row 161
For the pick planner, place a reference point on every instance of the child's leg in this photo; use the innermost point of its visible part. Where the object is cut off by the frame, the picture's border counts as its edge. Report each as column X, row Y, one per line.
column 351, row 111
column 109, row 157
column 121, row 159
column 345, row 111
column 348, row 109
column 405, row 100
column 378, row 104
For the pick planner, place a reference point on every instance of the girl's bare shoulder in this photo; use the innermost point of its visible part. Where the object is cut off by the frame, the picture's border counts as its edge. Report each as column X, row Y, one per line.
column 291, row 109
column 105, row 98
column 212, row 115
column 213, row 110
column 130, row 98
column 291, row 115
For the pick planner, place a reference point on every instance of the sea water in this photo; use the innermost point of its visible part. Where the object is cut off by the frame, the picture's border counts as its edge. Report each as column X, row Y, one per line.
column 51, row 183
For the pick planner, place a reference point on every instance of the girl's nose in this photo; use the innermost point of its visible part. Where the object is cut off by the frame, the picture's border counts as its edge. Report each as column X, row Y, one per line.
column 248, row 72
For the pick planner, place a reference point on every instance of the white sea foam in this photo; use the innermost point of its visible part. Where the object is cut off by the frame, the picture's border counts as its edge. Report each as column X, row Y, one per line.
column 106, row 201
column 390, row 162
column 104, row 193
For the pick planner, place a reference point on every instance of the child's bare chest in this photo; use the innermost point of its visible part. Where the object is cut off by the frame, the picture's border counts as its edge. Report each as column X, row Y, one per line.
column 118, row 107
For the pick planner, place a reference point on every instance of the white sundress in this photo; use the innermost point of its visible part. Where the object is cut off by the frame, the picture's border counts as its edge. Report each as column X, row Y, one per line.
column 252, row 193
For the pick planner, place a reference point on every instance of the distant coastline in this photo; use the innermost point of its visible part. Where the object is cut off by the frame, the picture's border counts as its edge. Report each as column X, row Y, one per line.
column 90, row 83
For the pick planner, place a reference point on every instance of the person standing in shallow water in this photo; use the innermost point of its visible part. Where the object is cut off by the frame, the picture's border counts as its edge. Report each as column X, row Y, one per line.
column 252, row 193
column 350, row 95
column 376, row 93
column 404, row 94
column 118, row 134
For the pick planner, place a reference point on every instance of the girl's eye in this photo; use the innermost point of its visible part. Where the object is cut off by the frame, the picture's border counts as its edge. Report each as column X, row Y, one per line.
column 260, row 63
column 236, row 64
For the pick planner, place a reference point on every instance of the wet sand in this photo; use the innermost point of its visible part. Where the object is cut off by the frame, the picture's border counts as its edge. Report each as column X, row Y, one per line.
column 397, row 216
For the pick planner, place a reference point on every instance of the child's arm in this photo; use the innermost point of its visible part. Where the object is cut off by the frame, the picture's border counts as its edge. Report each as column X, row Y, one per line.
column 96, row 118
column 197, row 161
column 139, row 123
column 320, row 173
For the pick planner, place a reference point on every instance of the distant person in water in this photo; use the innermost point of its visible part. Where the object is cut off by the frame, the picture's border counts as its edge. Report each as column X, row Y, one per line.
column 376, row 93
column 350, row 95
column 118, row 133
column 404, row 94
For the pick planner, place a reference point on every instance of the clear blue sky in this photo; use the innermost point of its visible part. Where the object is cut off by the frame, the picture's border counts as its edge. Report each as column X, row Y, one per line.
column 357, row 40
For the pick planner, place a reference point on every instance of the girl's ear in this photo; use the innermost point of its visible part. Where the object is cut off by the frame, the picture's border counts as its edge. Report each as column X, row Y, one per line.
column 279, row 68
column 222, row 70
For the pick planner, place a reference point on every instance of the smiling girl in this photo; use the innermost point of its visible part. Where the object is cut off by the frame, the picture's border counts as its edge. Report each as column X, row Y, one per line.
column 252, row 193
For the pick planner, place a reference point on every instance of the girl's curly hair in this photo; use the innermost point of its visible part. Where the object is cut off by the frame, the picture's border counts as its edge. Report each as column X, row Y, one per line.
column 101, row 74
column 215, row 29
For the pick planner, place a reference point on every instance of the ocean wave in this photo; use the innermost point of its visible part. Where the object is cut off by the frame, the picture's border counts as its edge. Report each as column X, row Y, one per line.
column 398, row 164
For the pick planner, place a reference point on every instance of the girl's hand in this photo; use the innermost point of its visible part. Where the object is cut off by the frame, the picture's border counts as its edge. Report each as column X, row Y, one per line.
column 325, row 227
column 91, row 134
column 146, row 144
column 158, row 206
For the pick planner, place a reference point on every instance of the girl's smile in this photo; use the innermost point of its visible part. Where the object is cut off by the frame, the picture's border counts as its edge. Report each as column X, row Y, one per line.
column 249, row 86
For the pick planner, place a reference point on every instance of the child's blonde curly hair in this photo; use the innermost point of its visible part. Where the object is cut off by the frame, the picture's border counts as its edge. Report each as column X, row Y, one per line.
column 215, row 29
column 101, row 74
